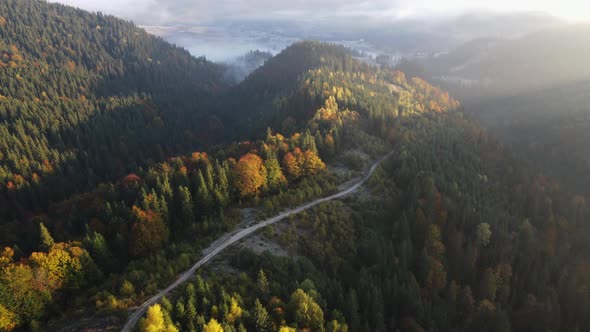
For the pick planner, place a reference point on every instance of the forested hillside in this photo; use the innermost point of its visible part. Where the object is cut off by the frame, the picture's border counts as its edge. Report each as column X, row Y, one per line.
column 104, row 199
column 455, row 234
column 550, row 126
column 87, row 98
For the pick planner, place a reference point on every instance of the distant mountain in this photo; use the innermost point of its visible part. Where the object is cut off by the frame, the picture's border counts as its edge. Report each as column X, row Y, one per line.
column 500, row 67
column 424, row 36
column 222, row 40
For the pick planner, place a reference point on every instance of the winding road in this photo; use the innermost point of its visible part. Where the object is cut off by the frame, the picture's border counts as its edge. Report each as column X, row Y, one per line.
column 218, row 246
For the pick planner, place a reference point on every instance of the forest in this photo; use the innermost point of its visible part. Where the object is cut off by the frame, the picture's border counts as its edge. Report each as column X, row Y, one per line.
column 549, row 126
column 122, row 157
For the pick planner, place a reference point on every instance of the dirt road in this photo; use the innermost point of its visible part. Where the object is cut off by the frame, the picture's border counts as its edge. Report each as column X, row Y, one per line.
column 218, row 246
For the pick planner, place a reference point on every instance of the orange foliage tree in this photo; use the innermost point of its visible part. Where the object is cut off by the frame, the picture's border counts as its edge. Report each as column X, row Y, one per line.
column 291, row 166
column 304, row 163
column 148, row 232
column 250, row 175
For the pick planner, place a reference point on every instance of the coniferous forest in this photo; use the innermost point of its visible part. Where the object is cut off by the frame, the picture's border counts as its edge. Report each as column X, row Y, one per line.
column 122, row 157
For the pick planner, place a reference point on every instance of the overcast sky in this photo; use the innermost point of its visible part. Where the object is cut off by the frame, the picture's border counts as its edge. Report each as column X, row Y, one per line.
column 161, row 12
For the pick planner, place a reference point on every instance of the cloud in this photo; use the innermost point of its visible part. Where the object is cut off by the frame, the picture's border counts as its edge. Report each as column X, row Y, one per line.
column 151, row 12
column 199, row 11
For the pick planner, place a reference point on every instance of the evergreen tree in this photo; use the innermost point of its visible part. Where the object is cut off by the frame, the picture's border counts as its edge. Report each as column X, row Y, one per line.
column 263, row 285
column 275, row 177
column 186, row 205
column 262, row 318
column 46, row 241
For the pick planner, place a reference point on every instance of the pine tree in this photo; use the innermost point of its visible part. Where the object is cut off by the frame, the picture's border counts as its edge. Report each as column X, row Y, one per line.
column 262, row 318
column 308, row 142
column 223, row 185
column 46, row 240
column 98, row 247
column 275, row 177
column 263, row 286
column 166, row 188
column 203, row 194
column 190, row 314
column 186, row 205
column 179, row 310
column 353, row 311
column 209, row 177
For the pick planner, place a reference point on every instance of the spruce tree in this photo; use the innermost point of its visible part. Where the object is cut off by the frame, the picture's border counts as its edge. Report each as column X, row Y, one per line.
column 261, row 317
column 46, row 241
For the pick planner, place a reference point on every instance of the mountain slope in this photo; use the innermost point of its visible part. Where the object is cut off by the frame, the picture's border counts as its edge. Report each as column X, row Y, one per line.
column 551, row 127
column 455, row 233
column 289, row 89
column 88, row 98
column 496, row 68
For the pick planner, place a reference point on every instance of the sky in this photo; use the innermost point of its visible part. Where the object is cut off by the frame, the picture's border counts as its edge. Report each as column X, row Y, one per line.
column 163, row 12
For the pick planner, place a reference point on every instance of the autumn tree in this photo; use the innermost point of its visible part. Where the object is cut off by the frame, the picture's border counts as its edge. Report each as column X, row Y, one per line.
column 307, row 312
column 312, row 164
column 148, row 233
column 155, row 322
column 235, row 311
column 292, row 166
column 6, row 257
column 250, row 175
column 287, row 329
column 127, row 288
column 7, row 319
column 212, row 326
column 62, row 266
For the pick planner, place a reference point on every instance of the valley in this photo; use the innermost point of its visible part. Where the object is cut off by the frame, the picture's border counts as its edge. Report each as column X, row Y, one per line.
column 310, row 188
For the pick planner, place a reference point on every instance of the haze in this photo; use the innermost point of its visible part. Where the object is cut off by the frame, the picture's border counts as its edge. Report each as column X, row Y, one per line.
column 226, row 29
column 151, row 12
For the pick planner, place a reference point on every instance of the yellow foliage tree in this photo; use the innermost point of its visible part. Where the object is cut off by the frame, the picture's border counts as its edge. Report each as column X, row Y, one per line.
column 7, row 319
column 235, row 312
column 312, row 164
column 308, row 313
column 155, row 322
column 212, row 326
column 60, row 266
column 6, row 256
